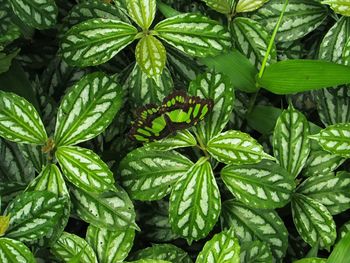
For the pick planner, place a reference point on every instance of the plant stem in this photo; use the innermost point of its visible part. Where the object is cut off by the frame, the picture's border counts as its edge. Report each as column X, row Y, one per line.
column 201, row 145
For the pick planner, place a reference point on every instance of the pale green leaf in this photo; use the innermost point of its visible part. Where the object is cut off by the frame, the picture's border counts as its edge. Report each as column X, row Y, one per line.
column 249, row 5
column 331, row 191
column 218, row 87
column 221, row 6
column 255, row 224
column 33, row 215
column 68, row 246
column 142, row 12
column 195, row 202
column 264, row 185
column 255, row 251
column 194, row 34
column 180, row 140
column 341, row 251
column 252, row 40
column 85, row 169
column 339, row 6
column 235, row 147
column 291, row 144
column 223, row 248
column 15, row 251
column 150, row 175
column 313, row 221
column 87, row 109
column 167, row 252
column 150, row 55
column 110, row 210
column 96, row 41
column 40, row 14
column 300, row 18
column 110, row 246
column 19, row 120
column 335, row 139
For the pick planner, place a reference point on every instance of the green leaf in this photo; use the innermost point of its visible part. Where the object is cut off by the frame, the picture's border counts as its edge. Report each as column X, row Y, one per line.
column 40, row 14
column 252, row 40
column 8, row 30
column 163, row 252
column 311, row 260
column 291, row 144
column 221, row 6
column 149, row 261
column 255, row 251
column 33, row 215
column 263, row 118
column 96, row 41
column 68, row 246
column 236, row 66
column 331, row 191
column 218, row 87
column 300, row 18
column 235, row 147
column 341, row 251
column 87, row 109
column 34, row 156
column 110, row 246
column 9, row 190
column 265, row 185
column 179, row 140
column 150, row 175
column 145, row 90
column 249, row 5
column 4, row 224
column 6, row 59
column 14, row 251
column 111, row 210
column 321, row 162
column 335, row 139
column 256, row 224
column 340, row 7
column 284, row 77
column 194, row 34
column 85, row 169
column 142, row 12
column 150, row 55
column 19, row 120
column 195, row 202
column 313, row 221
column 223, row 248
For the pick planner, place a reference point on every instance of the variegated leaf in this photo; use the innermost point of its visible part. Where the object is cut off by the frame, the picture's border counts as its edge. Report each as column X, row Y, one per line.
column 313, row 221
column 335, row 139
column 221, row 6
column 194, row 34
column 167, row 252
column 96, row 41
column 34, row 156
column 333, row 43
column 265, row 185
column 291, row 144
column 321, row 162
column 150, row 261
column 218, row 87
column 9, row 31
column 252, row 40
column 300, row 18
column 70, row 246
column 87, row 109
column 333, row 104
column 50, row 179
column 145, row 90
column 249, row 5
column 235, row 147
column 33, row 215
column 111, row 210
column 180, row 140
column 255, row 251
column 9, row 190
column 85, row 169
column 13, row 166
column 344, row 229
column 150, row 55
column 195, row 202
column 142, row 12
column 340, row 7
column 255, row 224
column 223, row 248
column 110, row 246
column 150, row 175
column 331, row 191
column 19, row 120
column 40, row 14
column 12, row 251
